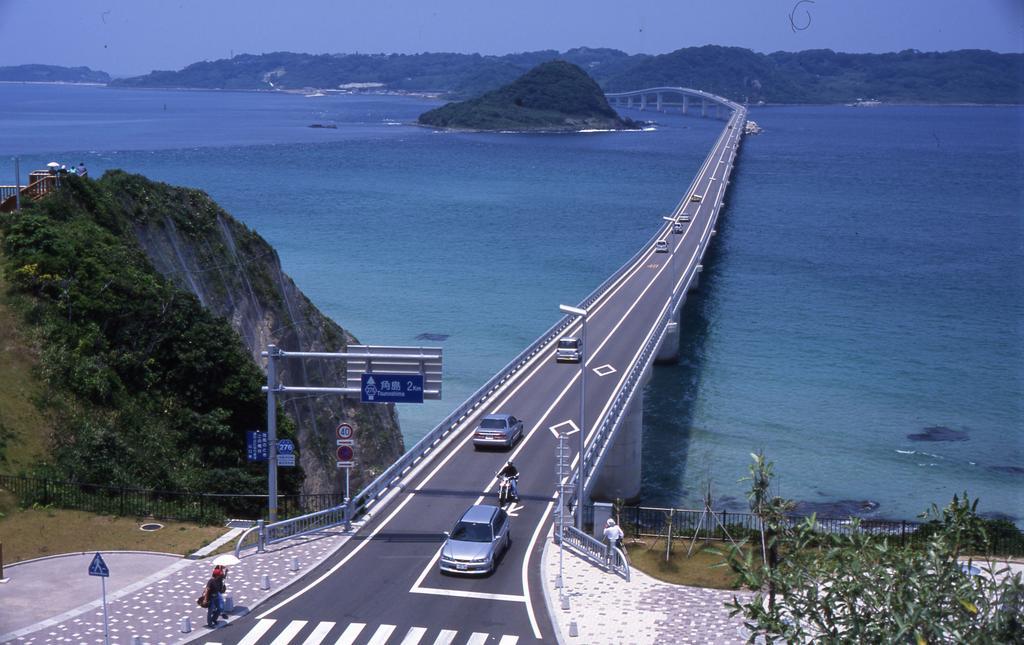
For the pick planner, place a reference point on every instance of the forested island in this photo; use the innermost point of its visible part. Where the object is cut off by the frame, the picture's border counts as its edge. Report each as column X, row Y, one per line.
column 52, row 74
column 812, row 76
column 555, row 96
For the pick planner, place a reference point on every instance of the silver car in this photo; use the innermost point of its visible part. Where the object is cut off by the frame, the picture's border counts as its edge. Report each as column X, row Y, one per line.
column 476, row 541
column 501, row 430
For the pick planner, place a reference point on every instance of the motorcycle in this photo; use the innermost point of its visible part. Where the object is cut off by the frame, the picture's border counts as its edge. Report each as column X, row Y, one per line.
column 505, row 494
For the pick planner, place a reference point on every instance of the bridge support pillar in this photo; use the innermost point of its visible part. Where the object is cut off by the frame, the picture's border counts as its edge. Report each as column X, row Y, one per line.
column 703, row 108
column 659, row 102
column 668, row 351
column 620, row 473
column 686, row 104
column 629, row 101
column 643, row 102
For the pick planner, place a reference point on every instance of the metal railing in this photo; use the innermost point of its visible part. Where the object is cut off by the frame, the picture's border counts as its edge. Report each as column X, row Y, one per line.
column 596, row 550
column 262, row 534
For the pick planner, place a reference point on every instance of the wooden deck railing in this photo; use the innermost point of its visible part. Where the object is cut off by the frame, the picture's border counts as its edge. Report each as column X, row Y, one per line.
column 39, row 185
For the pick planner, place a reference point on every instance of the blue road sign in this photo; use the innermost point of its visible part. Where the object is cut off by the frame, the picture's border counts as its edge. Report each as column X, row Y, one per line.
column 98, row 567
column 256, row 447
column 285, row 452
column 391, row 388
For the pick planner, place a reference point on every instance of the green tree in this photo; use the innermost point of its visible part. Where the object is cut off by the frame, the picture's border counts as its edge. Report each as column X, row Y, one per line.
column 861, row 588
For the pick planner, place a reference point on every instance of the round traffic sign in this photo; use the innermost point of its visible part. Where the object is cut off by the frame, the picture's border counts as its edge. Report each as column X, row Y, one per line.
column 345, row 453
column 345, row 431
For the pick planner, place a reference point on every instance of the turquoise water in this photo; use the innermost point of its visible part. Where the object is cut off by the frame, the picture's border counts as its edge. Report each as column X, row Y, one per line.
column 866, row 282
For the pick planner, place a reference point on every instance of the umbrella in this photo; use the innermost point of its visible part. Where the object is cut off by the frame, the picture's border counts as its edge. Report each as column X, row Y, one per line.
column 226, row 560
column 53, row 164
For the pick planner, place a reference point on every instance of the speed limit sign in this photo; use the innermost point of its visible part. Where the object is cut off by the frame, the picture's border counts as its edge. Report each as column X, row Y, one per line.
column 345, row 431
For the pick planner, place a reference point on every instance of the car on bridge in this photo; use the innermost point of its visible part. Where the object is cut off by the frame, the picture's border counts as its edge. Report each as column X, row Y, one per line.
column 661, row 246
column 498, row 430
column 695, row 197
column 477, row 540
column 569, row 349
column 677, row 227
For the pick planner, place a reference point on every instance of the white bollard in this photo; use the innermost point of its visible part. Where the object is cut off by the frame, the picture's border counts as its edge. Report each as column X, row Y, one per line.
column 229, row 604
column 265, row 582
column 573, row 630
column 186, row 625
column 295, row 564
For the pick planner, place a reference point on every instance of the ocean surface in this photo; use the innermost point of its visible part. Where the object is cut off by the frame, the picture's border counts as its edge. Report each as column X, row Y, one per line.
column 860, row 319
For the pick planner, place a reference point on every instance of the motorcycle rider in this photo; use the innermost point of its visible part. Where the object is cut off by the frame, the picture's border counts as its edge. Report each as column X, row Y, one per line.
column 510, row 472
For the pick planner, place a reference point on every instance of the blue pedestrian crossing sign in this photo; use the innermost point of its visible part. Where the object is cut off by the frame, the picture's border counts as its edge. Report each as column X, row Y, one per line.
column 98, row 567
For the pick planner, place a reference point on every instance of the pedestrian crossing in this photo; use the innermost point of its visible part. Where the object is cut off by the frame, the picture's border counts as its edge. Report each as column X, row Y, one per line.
column 301, row 632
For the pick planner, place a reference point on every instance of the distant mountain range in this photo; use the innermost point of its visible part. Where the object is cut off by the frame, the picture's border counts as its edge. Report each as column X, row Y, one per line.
column 52, row 74
column 812, row 76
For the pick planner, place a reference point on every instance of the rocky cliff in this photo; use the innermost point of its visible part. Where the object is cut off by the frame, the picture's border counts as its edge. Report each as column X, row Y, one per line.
column 236, row 274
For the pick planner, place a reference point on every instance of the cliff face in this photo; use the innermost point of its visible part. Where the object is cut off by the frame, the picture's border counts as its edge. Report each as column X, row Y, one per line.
column 236, row 274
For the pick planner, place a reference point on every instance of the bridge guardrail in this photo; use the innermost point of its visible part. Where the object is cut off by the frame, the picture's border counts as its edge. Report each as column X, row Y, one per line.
column 394, row 474
column 597, row 449
column 596, row 550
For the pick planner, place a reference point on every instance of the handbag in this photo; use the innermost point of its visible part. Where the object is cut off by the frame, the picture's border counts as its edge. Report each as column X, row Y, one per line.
column 204, row 599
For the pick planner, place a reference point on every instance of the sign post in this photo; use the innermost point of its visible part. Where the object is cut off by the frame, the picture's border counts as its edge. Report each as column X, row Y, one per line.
column 346, row 459
column 99, row 568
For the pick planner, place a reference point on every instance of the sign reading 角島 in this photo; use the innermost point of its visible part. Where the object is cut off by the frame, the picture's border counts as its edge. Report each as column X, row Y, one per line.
column 391, row 388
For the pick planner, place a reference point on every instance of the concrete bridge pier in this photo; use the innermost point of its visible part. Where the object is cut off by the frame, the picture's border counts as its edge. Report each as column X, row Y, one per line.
column 629, row 101
column 703, row 108
column 659, row 102
column 643, row 102
column 686, row 104
column 620, row 474
column 668, row 351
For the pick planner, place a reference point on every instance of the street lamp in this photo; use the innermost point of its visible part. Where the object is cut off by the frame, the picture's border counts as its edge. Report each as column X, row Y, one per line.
column 673, row 287
column 582, row 313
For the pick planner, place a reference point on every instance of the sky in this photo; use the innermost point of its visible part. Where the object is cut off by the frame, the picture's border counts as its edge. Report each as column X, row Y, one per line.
column 130, row 37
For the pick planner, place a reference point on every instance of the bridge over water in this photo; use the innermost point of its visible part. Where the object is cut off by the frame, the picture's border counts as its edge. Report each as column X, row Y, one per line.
column 385, row 581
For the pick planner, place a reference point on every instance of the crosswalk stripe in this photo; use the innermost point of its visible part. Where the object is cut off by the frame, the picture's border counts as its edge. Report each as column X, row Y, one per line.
column 257, row 632
column 320, row 633
column 445, row 637
column 414, row 635
column 508, row 640
column 381, row 635
column 349, row 635
column 289, row 633
column 478, row 638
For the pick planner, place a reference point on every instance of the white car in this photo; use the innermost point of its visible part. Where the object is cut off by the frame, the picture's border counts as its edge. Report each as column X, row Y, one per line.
column 661, row 246
column 677, row 227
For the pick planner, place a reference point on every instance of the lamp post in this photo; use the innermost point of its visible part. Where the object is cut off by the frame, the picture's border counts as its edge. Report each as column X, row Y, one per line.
column 582, row 313
column 673, row 251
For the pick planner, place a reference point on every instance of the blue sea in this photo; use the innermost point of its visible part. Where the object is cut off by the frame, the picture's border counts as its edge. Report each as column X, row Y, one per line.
column 860, row 319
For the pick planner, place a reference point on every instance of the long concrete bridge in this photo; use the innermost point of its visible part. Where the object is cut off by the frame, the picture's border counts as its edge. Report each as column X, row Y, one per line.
column 384, row 586
column 641, row 99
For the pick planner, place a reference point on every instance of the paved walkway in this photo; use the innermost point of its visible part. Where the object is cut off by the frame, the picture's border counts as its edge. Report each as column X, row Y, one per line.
column 606, row 609
column 150, row 595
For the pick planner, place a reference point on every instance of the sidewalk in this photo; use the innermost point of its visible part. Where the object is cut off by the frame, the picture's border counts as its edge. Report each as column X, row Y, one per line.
column 608, row 610
column 148, row 594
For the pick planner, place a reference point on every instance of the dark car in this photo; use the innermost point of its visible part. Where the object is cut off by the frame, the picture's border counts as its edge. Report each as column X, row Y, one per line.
column 473, row 546
column 501, row 430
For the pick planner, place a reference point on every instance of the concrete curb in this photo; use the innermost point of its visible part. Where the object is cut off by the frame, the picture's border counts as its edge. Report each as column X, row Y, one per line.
column 552, row 609
column 76, row 553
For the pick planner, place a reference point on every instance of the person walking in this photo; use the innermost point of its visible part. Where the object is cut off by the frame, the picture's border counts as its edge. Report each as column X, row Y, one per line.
column 612, row 536
column 215, row 590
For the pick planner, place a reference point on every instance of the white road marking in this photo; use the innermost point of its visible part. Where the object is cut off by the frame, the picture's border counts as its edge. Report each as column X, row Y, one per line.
column 257, row 632
column 572, row 424
column 414, row 635
column 455, row 593
column 508, row 640
column 604, row 370
column 382, row 635
column 289, row 632
column 349, row 635
column 513, row 509
column 319, row 633
column 445, row 637
column 477, row 639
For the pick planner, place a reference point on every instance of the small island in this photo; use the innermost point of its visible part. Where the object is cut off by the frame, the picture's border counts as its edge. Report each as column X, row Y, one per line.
column 552, row 97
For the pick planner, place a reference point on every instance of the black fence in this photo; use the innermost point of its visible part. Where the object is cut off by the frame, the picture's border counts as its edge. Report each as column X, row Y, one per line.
column 639, row 521
column 204, row 508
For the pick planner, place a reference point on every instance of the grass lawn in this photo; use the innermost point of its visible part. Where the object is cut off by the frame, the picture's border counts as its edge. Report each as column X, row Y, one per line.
column 33, row 533
column 696, row 570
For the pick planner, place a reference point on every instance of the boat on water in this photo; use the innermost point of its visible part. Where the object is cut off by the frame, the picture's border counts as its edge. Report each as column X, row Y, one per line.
column 751, row 127
column 315, row 94
column 864, row 103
